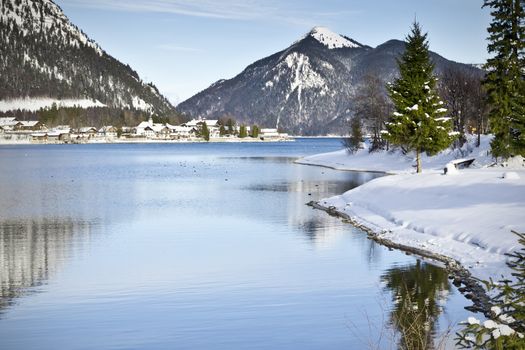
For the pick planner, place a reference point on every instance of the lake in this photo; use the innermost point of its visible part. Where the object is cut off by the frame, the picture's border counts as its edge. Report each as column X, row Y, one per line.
column 199, row 246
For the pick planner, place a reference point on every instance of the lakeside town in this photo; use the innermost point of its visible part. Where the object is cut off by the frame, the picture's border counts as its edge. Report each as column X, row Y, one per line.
column 15, row 131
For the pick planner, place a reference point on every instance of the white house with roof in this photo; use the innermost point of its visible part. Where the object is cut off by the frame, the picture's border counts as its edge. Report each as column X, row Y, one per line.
column 149, row 129
column 212, row 124
column 143, row 128
column 7, row 121
column 196, row 122
column 272, row 135
column 10, row 123
column 161, row 131
column 182, row 132
column 107, row 131
column 87, row 132
column 13, row 124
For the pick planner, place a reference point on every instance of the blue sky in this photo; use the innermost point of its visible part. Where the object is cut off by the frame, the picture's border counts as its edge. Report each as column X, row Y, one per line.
column 185, row 45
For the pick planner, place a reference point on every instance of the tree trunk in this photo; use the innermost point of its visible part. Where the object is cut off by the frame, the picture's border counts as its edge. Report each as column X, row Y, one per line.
column 418, row 161
column 479, row 127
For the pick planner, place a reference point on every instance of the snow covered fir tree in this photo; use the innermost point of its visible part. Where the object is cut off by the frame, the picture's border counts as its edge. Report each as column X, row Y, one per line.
column 505, row 81
column 418, row 123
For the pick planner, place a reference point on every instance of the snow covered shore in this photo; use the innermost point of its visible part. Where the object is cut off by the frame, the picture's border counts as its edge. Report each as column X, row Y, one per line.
column 395, row 162
column 467, row 216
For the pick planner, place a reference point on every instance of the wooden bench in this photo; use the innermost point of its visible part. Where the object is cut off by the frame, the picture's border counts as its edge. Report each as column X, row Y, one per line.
column 458, row 164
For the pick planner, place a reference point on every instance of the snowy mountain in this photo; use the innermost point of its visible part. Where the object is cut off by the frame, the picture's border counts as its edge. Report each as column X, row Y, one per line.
column 44, row 58
column 308, row 88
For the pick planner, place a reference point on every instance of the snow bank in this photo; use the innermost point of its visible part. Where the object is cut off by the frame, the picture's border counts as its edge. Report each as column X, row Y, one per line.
column 468, row 216
column 34, row 104
column 395, row 162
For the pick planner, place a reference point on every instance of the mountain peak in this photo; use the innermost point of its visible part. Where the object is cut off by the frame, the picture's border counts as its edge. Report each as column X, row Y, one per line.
column 330, row 39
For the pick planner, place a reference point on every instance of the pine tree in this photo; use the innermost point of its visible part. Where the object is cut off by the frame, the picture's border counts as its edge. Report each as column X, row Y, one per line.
column 505, row 81
column 242, row 131
column 204, row 131
column 230, row 123
column 418, row 123
column 255, row 131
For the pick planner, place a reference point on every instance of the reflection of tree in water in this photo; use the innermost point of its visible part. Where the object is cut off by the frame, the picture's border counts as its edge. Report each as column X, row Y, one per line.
column 417, row 291
column 31, row 251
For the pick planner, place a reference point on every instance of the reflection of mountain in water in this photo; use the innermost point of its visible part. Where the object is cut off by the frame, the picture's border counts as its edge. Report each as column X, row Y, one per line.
column 31, row 251
column 417, row 293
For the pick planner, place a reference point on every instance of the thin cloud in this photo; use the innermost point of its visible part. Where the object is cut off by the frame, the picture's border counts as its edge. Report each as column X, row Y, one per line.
column 231, row 9
column 225, row 9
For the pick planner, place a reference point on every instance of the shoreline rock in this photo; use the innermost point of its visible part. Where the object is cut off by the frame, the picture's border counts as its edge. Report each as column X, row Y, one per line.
column 467, row 284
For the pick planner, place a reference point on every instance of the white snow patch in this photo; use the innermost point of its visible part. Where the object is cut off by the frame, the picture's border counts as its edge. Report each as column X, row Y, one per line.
column 330, row 39
column 139, row 103
column 303, row 75
column 511, row 175
column 327, row 65
column 34, row 104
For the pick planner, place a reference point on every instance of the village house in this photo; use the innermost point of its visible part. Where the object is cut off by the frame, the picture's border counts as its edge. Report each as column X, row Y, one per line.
column 32, row 125
column 39, row 137
column 58, row 136
column 150, row 130
column 108, row 131
column 213, row 126
column 10, row 123
column 182, row 132
column 161, row 131
column 272, row 135
column 87, row 132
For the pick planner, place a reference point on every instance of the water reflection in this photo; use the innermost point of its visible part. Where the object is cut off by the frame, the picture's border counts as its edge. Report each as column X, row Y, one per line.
column 325, row 187
column 210, row 252
column 418, row 291
column 31, row 251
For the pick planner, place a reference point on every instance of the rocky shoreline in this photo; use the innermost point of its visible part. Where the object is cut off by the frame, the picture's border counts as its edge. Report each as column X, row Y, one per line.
column 467, row 284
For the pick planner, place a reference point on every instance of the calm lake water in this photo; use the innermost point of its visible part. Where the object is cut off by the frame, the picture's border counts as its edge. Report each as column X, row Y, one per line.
column 198, row 246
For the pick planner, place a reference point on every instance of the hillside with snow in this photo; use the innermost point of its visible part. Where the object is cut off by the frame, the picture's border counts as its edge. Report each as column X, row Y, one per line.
column 46, row 59
column 308, row 88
